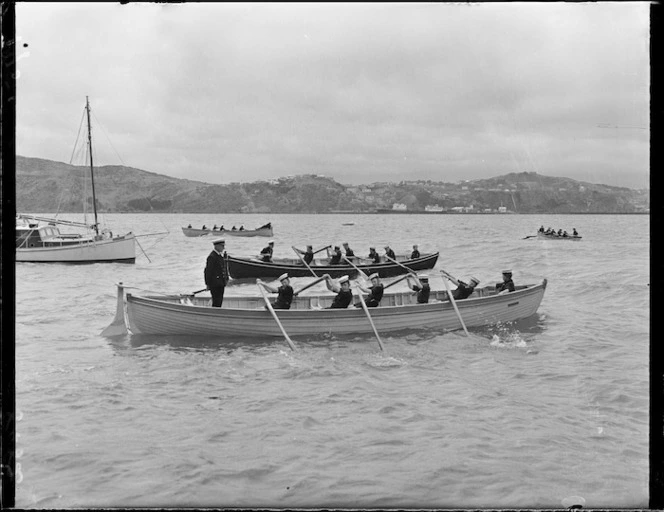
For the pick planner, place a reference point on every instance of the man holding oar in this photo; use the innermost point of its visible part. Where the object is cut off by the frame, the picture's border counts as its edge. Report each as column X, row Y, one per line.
column 420, row 284
column 285, row 292
column 342, row 288
column 463, row 289
column 375, row 291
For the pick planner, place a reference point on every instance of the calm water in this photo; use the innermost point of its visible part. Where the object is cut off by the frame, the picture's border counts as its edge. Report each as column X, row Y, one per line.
column 514, row 416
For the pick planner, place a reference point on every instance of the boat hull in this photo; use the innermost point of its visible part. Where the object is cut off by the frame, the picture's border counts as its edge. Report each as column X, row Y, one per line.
column 169, row 316
column 193, row 232
column 114, row 250
column 570, row 238
column 244, row 268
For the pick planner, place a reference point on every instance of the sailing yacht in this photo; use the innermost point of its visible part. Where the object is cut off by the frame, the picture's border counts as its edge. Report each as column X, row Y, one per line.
column 39, row 240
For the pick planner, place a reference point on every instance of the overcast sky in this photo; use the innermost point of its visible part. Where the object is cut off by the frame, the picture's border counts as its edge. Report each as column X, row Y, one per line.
column 358, row 92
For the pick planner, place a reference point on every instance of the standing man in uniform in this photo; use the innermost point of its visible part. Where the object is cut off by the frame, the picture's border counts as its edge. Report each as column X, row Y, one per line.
column 216, row 273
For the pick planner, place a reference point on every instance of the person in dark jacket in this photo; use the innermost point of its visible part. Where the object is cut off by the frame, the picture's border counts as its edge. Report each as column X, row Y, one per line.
column 216, row 272
column 507, row 283
column 415, row 253
column 266, row 252
column 349, row 252
column 342, row 288
column 463, row 289
column 374, row 255
column 284, row 292
column 336, row 256
column 308, row 255
column 389, row 252
column 375, row 292
column 420, row 284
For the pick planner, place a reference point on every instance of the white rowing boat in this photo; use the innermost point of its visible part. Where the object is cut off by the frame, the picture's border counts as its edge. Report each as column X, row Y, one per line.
column 247, row 316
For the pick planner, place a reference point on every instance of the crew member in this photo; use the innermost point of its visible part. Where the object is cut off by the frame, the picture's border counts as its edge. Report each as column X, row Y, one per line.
column 507, row 283
column 216, row 273
column 348, row 250
column 419, row 284
column 308, row 255
column 415, row 253
column 389, row 252
column 374, row 255
column 574, row 232
column 342, row 288
column 266, row 252
column 284, row 292
column 375, row 292
column 463, row 290
column 336, row 256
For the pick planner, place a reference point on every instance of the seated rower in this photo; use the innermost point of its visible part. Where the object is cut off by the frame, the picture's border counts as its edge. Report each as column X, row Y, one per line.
column 375, row 257
column 342, row 288
column 463, row 290
column 507, row 284
column 336, row 256
column 574, row 232
column 214, row 228
column 233, row 228
column 266, row 252
column 389, row 253
column 285, row 292
column 308, row 255
column 189, row 226
column 221, row 228
column 419, row 284
column 348, row 250
column 541, row 229
column 242, row 228
column 415, row 253
column 375, row 292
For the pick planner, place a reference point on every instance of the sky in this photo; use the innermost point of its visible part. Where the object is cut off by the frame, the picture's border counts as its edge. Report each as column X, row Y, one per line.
column 359, row 92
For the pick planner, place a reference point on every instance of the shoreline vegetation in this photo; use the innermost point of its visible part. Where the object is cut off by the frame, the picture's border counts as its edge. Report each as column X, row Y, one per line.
column 50, row 186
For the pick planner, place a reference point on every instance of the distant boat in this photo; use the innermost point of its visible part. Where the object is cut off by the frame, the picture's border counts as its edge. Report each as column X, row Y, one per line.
column 348, row 224
column 570, row 238
column 265, row 230
column 39, row 240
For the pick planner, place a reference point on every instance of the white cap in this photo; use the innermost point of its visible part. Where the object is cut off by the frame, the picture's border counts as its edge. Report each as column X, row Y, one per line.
column 283, row 276
column 219, row 241
column 343, row 279
column 507, row 271
column 475, row 280
column 423, row 276
column 270, row 242
column 387, row 247
column 374, row 275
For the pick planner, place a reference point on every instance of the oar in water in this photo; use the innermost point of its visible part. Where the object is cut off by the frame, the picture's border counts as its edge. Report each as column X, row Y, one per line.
column 366, row 311
column 529, row 236
column 274, row 315
column 302, row 260
column 453, row 301
column 118, row 326
column 356, row 268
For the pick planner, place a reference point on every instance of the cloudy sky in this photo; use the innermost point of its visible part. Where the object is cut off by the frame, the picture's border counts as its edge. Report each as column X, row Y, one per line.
column 358, row 92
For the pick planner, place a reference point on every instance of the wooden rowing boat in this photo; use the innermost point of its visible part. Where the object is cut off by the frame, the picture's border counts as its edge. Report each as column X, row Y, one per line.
column 244, row 268
column 262, row 231
column 247, row 316
column 570, row 238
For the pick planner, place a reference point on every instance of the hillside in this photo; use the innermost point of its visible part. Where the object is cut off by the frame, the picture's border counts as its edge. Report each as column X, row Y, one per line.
column 49, row 186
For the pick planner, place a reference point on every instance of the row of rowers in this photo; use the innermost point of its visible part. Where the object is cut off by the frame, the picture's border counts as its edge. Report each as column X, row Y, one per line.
column 342, row 287
column 335, row 255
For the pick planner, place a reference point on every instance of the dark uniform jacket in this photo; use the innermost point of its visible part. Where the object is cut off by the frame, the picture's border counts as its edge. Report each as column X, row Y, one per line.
column 216, row 275
column 374, row 297
column 391, row 254
column 267, row 253
column 284, row 297
column 505, row 285
column 423, row 293
column 415, row 254
column 463, row 291
column 342, row 299
column 336, row 258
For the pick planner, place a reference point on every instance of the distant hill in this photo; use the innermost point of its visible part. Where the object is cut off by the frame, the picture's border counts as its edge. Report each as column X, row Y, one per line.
column 49, row 186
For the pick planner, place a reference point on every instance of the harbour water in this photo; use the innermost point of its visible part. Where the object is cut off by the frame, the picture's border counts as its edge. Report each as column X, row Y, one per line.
column 513, row 416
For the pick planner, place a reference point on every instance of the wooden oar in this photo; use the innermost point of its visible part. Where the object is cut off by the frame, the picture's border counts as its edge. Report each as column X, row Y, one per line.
column 356, row 268
column 315, row 281
column 396, row 281
column 529, row 236
column 276, row 318
column 395, row 261
column 302, row 260
column 319, row 250
column 366, row 311
column 449, row 294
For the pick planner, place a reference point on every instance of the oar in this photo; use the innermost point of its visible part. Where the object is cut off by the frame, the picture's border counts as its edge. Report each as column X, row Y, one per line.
column 315, row 281
column 395, row 261
column 366, row 311
column 302, row 260
column 529, row 236
column 319, row 250
column 449, row 294
column 276, row 318
column 355, row 267
column 395, row 282
column 199, row 291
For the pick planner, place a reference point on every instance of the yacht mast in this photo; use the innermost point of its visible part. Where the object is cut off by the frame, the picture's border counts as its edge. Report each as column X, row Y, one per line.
column 92, row 174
